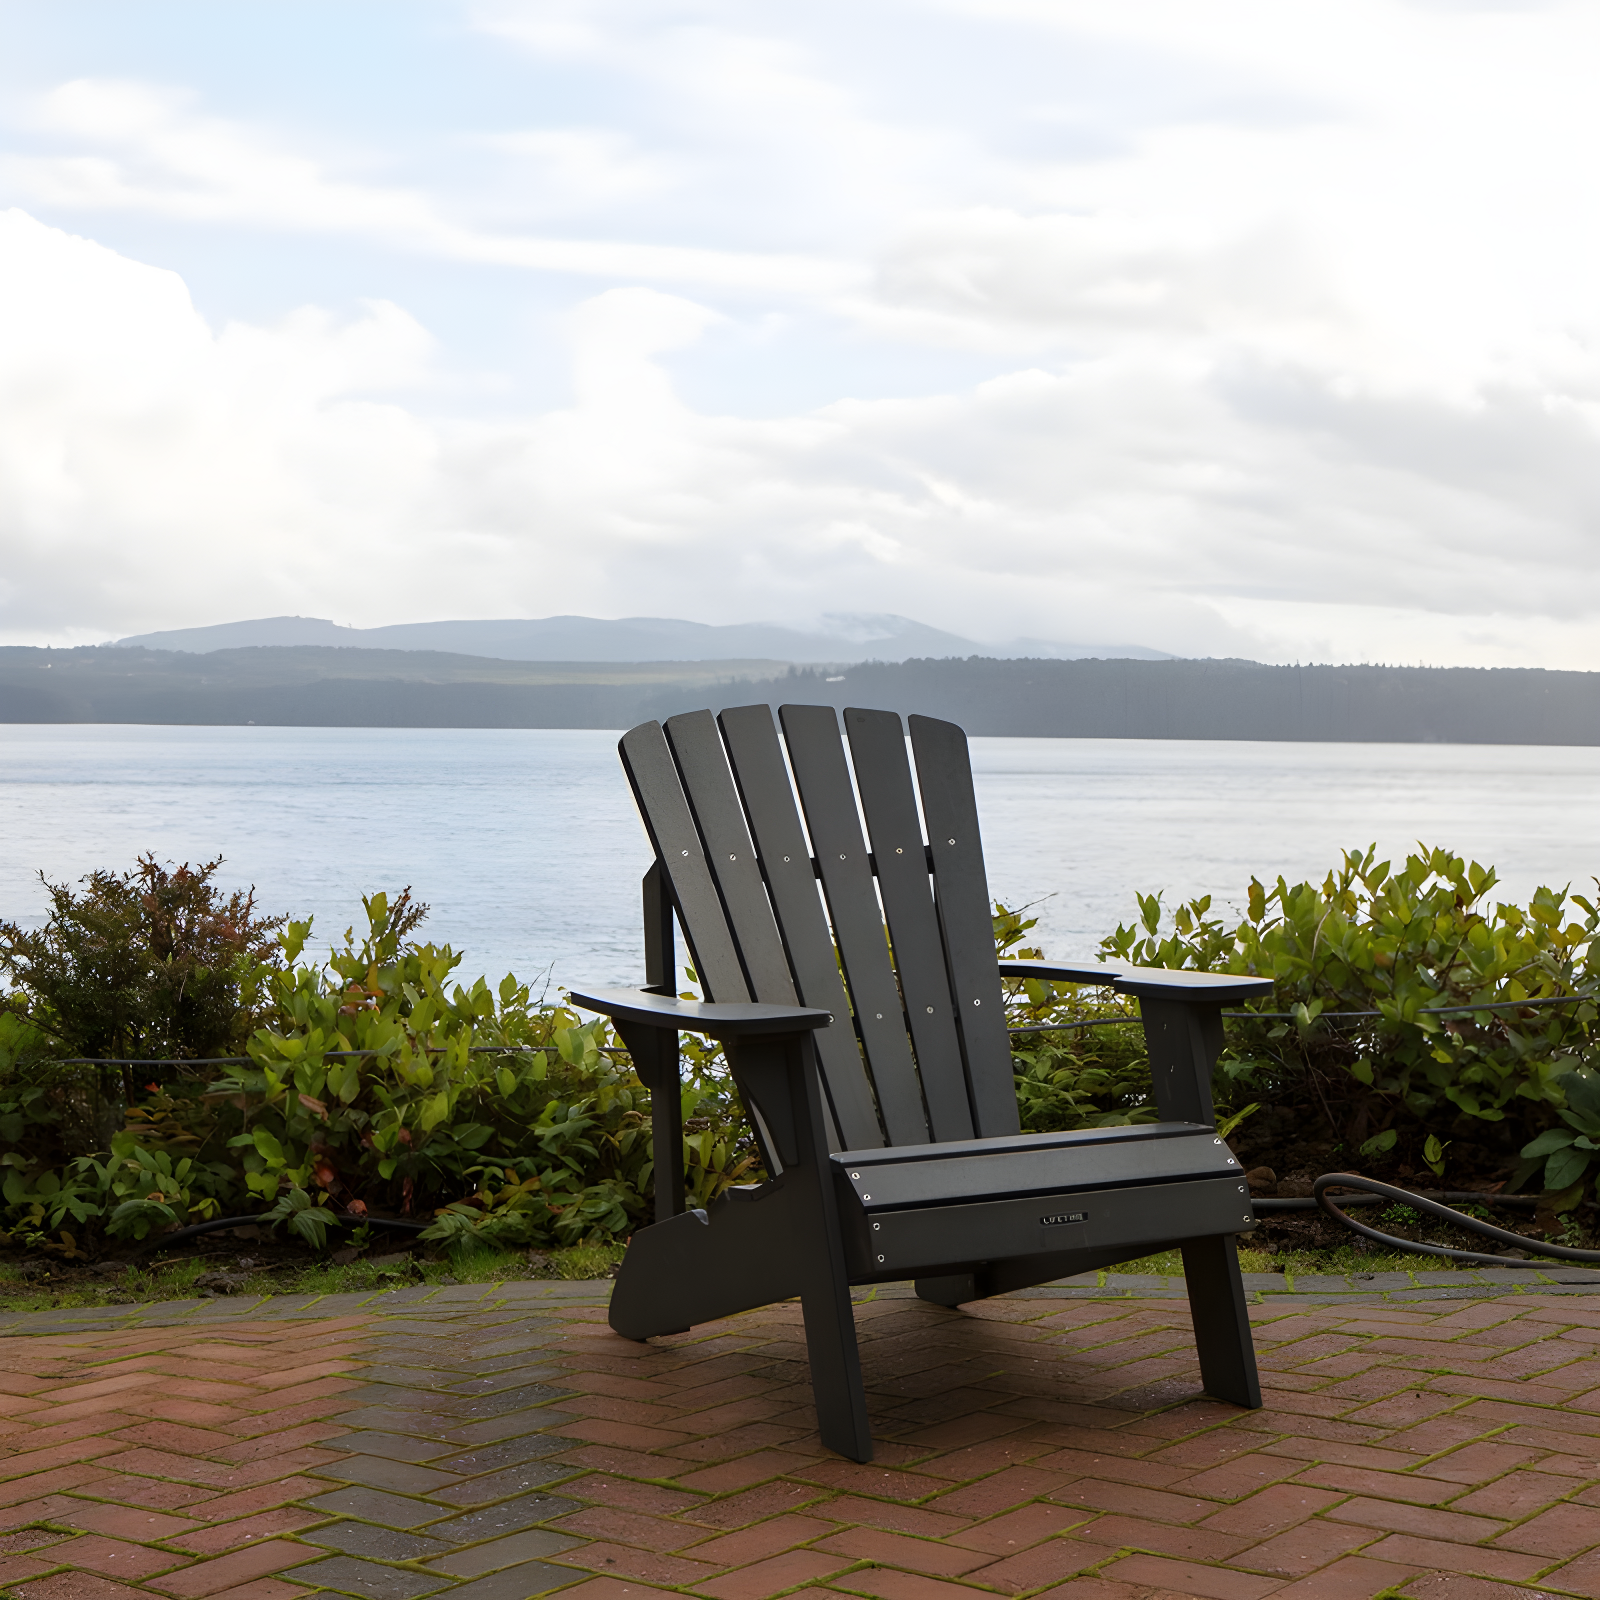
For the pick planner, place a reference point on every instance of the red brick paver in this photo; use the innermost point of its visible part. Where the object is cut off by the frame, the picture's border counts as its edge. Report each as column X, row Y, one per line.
column 1031, row 1447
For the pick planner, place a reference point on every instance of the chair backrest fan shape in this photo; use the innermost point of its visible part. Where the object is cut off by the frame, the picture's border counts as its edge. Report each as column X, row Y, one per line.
column 909, row 957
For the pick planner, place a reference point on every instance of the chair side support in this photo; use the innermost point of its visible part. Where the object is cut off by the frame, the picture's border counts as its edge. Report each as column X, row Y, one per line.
column 753, row 1246
column 1182, row 1018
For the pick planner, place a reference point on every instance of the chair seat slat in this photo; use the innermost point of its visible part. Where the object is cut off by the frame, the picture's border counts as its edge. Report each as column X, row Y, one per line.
column 1045, row 1165
column 671, row 826
column 817, row 755
column 883, row 778
column 763, row 780
column 961, row 892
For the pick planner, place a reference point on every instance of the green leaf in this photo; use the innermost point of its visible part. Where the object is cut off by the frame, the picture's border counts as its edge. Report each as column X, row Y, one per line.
column 1564, row 1168
column 1552, row 1139
column 1226, row 1127
column 134, row 1219
column 1582, row 1090
column 268, row 1147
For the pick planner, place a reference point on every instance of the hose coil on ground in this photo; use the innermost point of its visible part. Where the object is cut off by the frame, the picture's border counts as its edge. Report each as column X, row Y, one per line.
column 1433, row 1208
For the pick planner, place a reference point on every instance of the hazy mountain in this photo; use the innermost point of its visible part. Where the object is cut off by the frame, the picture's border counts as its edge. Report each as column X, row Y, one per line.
column 840, row 639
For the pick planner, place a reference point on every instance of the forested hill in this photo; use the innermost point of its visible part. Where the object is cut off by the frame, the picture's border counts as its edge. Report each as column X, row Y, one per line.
column 1116, row 699
column 1233, row 700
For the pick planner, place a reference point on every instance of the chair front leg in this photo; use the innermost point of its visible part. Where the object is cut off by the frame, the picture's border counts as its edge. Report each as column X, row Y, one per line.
column 655, row 1059
column 778, row 1073
column 1184, row 1040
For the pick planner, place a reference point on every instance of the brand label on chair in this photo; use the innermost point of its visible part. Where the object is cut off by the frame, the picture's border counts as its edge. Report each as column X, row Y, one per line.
column 1065, row 1216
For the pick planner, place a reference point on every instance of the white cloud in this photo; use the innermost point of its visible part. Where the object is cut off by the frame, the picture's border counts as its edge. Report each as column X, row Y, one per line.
column 563, row 170
column 1282, row 320
column 155, row 470
column 170, row 161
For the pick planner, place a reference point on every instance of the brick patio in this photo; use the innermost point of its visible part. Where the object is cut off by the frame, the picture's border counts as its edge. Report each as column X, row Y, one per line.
column 497, row 1443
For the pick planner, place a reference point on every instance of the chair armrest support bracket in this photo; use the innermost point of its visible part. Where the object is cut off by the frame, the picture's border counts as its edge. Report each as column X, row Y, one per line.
column 1182, row 1016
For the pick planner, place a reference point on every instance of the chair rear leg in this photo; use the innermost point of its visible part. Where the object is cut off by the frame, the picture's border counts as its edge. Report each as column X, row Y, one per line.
column 956, row 1290
column 1221, row 1320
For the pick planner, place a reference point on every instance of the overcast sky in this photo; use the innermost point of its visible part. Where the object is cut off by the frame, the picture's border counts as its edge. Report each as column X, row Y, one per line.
column 1238, row 327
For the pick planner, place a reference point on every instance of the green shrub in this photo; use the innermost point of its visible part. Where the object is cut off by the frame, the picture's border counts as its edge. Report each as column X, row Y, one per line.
column 153, row 964
column 1407, row 944
column 156, row 963
column 371, row 1083
column 377, row 1083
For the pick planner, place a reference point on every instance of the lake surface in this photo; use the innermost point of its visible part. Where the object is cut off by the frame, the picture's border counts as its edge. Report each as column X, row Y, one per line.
column 526, row 845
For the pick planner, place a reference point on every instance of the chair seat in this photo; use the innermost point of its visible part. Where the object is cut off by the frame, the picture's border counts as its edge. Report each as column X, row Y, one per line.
column 914, row 1208
column 959, row 1172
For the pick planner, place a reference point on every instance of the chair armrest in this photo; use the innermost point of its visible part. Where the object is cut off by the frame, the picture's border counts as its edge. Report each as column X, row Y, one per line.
column 1059, row 971
column 1159, row 983
column 733, row 1020
column 1170, row 983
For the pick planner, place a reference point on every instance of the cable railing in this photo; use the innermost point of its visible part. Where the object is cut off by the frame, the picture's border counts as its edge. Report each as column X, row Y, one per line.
column 1321, row 1016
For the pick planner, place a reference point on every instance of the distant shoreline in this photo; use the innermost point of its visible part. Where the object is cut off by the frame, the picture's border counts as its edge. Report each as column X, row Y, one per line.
column 324, row 686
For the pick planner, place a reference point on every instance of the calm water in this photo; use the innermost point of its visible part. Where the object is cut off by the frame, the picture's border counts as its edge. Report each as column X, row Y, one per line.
column 526, row 845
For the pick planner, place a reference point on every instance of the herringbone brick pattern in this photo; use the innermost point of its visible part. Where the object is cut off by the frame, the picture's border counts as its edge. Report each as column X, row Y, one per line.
column 1446, row 1451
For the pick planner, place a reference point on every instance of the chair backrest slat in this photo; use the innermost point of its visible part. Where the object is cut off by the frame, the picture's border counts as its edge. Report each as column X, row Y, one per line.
column 961, row 892
column 703, row 766
column 671, row 826
column 883, row 779
column 763, row 779
column 816, row 754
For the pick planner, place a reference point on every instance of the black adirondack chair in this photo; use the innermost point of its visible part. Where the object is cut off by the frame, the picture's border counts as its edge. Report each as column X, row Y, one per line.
column 877, row 1070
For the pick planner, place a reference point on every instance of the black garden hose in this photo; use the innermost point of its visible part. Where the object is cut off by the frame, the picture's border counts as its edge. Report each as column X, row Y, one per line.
column 1518, row 1202
column 217, row 1224
column 1433, row 1208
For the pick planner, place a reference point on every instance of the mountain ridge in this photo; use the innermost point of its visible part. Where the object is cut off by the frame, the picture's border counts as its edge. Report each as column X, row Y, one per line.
column 843, row 639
